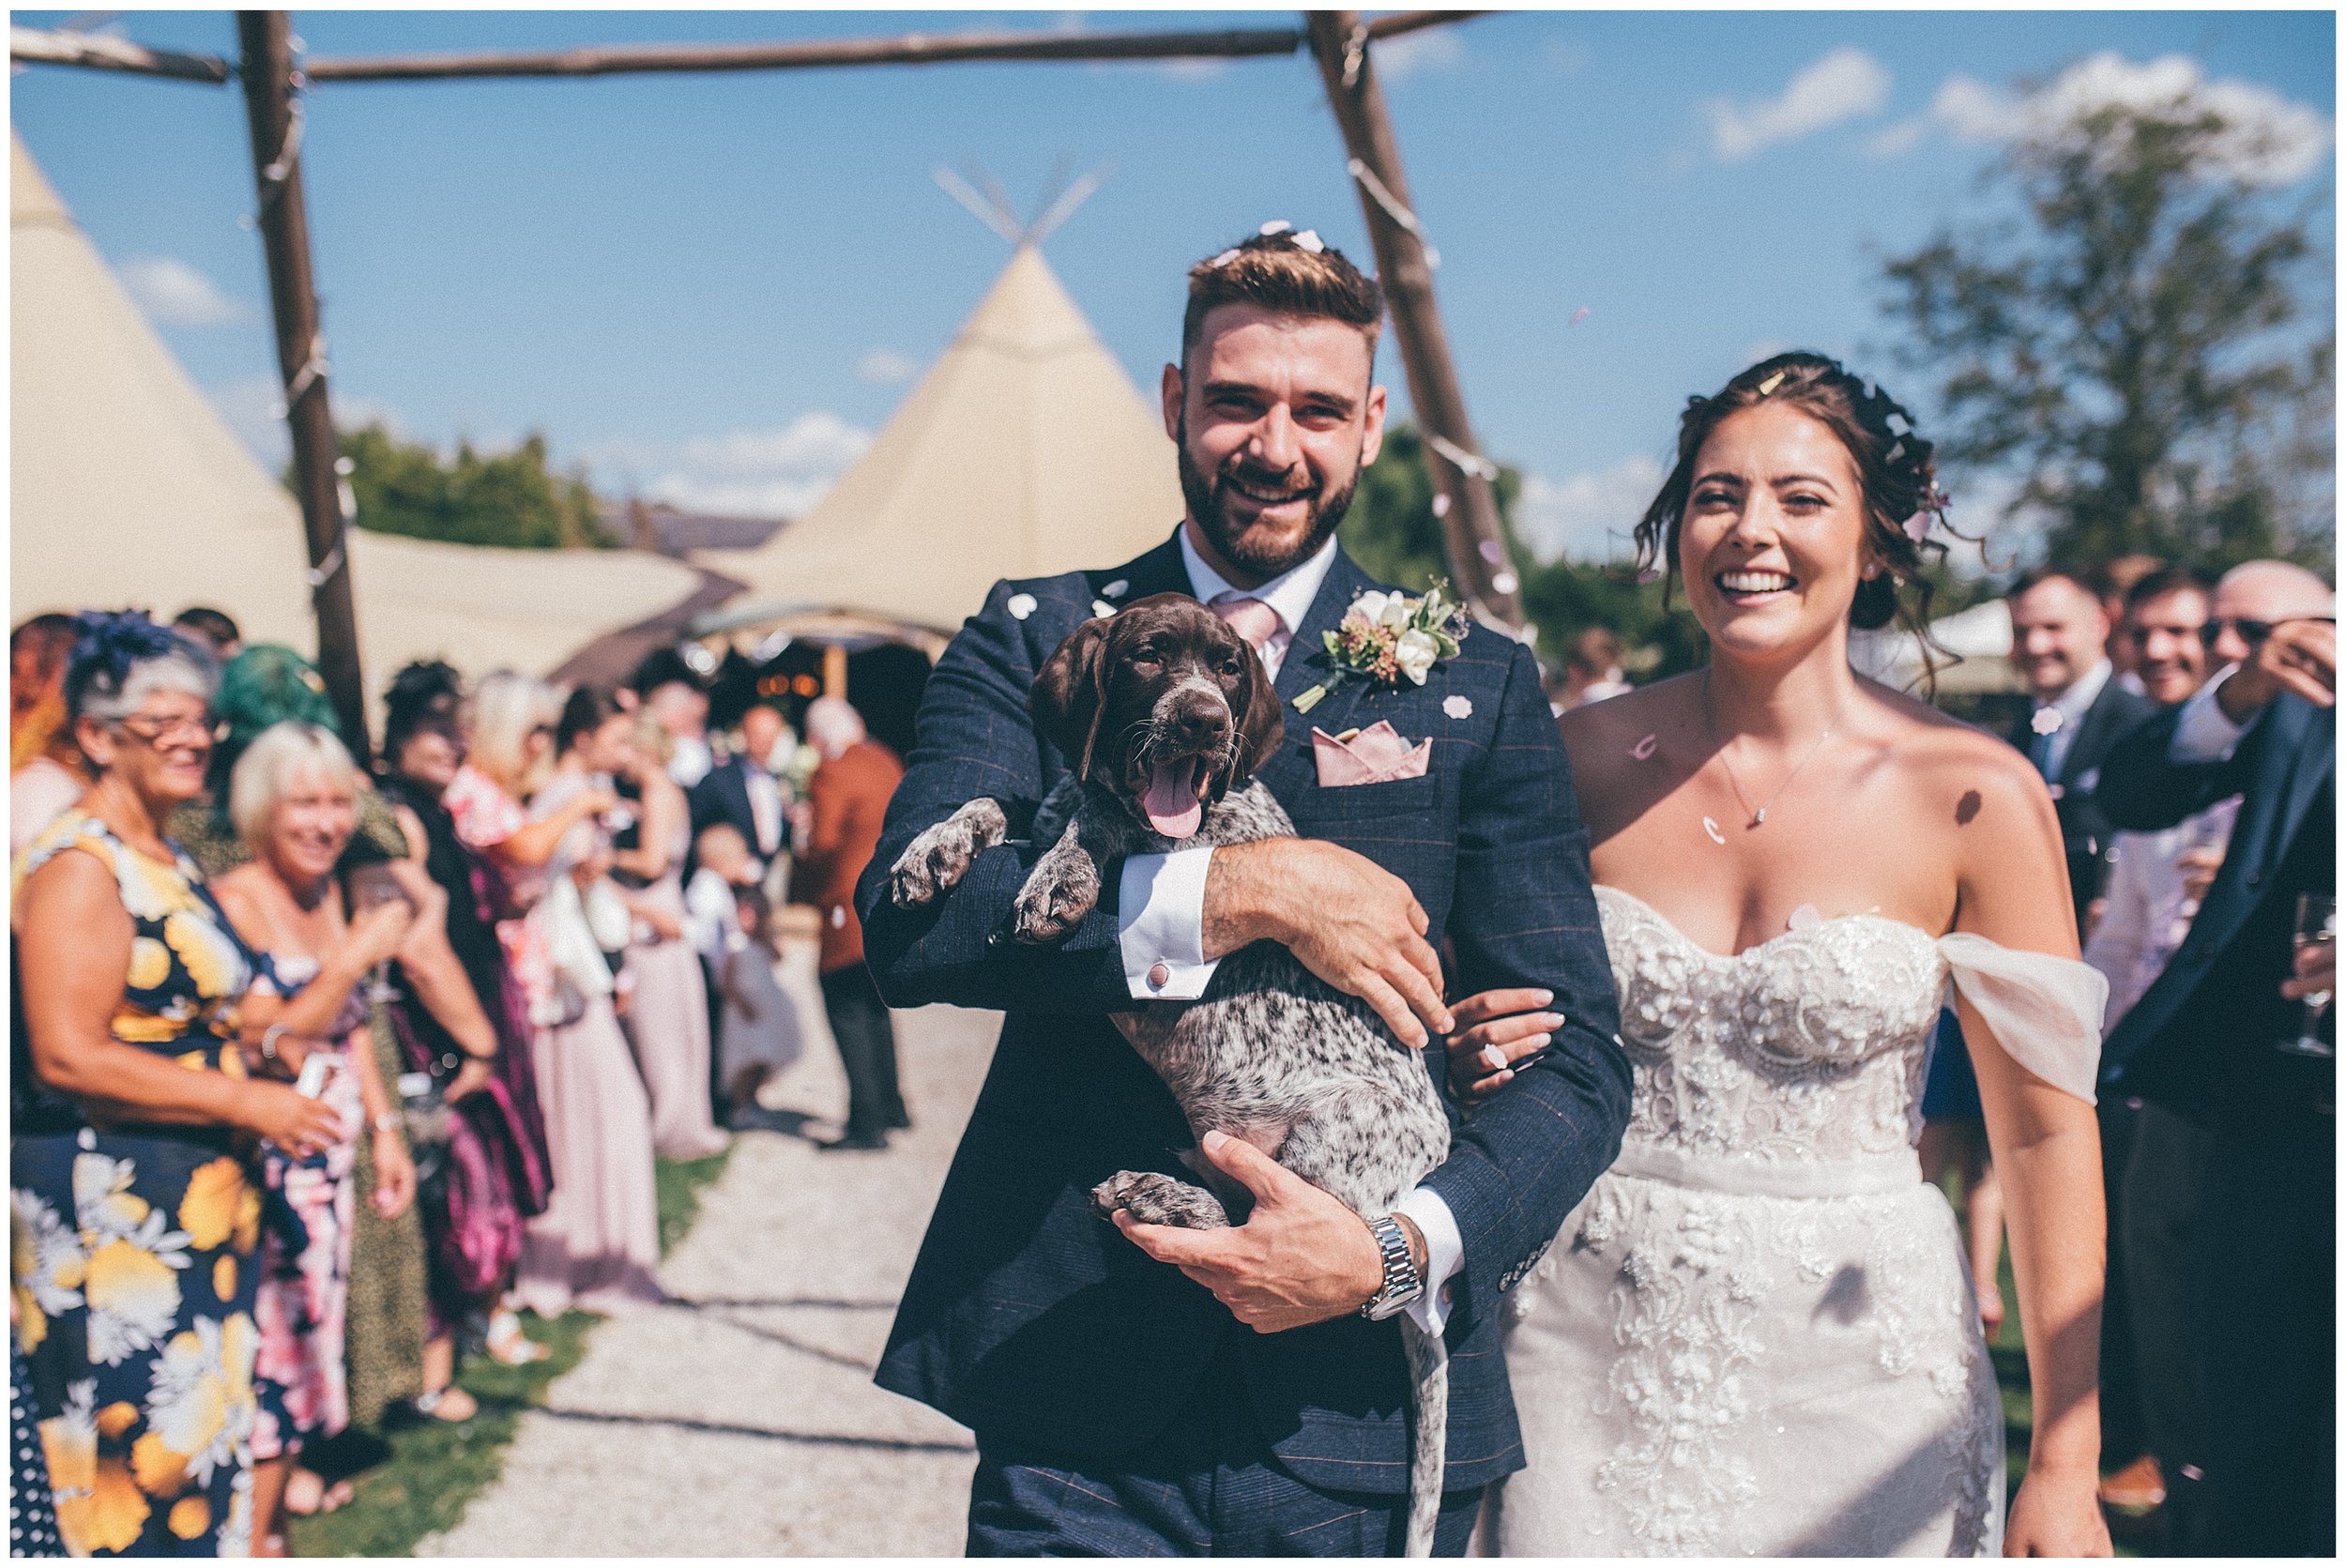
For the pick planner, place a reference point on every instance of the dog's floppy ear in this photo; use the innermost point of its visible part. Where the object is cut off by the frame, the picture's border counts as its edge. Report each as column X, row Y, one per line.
column 1071, row 693
column 1261, row 723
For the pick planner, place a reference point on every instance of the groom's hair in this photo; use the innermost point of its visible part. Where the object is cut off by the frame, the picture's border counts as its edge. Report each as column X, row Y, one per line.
column 1281, row 272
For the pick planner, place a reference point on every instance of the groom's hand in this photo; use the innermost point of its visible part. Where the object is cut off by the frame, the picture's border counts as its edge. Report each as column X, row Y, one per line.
column 1346, row 918
column 1301, row 1257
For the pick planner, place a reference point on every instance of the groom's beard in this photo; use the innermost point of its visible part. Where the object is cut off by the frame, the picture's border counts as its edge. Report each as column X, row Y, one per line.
column 1207, row 502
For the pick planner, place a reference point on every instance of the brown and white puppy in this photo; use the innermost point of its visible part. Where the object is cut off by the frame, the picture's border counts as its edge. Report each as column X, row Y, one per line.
column 1163, row 714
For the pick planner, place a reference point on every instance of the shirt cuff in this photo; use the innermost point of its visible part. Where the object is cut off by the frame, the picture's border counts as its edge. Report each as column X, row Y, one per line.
column 1162, row 911
column 1445, row 1255
column 2203, row 732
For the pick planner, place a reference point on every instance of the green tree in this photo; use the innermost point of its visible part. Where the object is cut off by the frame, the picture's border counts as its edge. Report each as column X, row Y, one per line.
column 2132, row 346
column 511, row 498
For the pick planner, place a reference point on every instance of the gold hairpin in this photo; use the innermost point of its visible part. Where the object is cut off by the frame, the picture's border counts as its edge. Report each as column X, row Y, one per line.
column 1771, row 384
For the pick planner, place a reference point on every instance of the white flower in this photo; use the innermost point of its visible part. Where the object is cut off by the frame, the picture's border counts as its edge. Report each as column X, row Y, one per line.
column 1371, row 605
column 1415, row 653
column 1020, row 605
column 1397, row 612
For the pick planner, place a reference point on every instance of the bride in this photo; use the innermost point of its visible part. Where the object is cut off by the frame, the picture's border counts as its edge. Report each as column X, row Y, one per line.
column 1756, row 1334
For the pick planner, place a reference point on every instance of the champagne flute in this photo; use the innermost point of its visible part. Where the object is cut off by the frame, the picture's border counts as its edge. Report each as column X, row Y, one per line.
column 2316, row 926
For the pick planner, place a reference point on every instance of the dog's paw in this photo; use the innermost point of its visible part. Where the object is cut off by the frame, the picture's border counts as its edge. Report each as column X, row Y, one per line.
column 938, row 859
column 1154, row 1198
column 1062, row 888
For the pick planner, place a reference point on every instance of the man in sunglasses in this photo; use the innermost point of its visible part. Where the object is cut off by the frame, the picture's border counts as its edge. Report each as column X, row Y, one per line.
column 2213, row 1041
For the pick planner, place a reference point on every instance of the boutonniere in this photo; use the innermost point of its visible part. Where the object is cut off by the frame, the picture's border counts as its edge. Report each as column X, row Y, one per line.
column 1387, row 637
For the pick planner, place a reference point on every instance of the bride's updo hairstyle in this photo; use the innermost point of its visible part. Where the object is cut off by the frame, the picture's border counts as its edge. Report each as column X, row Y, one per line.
column 1895, row 471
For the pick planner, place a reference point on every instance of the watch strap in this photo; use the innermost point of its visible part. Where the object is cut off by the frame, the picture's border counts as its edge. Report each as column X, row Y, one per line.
column 1402, row 1282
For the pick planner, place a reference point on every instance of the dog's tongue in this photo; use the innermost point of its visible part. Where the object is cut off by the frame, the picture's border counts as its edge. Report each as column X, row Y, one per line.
column 1171, row 799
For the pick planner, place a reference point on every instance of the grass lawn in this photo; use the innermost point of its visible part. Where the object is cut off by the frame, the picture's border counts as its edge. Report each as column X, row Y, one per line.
column 436, row 1468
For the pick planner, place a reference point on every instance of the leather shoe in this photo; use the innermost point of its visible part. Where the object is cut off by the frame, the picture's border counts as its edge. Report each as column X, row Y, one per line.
column 855, row 1140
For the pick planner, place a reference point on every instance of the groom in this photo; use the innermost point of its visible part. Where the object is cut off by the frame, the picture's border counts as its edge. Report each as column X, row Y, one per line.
column 1183, row 1392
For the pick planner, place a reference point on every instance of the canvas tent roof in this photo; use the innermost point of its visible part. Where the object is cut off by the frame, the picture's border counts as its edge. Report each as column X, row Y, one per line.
column 1024, row 450
column 126, row 488
column 1978, row 639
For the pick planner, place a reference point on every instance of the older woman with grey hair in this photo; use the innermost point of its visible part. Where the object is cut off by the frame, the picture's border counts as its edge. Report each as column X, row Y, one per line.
column 293, row 799
column 140, row 1095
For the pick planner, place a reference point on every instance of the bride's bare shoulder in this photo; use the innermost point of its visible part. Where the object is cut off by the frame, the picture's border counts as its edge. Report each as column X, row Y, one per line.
column 1978, row 778
column 1628, row 717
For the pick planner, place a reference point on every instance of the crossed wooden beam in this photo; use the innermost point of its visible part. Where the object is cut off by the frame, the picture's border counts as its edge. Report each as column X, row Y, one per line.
column 1340, row 42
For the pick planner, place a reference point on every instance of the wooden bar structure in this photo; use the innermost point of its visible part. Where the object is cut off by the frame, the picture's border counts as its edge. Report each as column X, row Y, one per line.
column 275, row 119
column 1470, row 518
column 1339, row 41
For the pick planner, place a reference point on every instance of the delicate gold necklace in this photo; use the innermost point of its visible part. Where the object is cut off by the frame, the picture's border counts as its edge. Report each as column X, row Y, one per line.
column 1719, row 747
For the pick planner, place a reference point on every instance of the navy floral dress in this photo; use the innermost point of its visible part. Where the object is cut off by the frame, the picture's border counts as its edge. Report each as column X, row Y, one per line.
column 132, row 1245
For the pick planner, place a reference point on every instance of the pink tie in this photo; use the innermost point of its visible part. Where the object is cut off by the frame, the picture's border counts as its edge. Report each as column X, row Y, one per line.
column 1251, row 618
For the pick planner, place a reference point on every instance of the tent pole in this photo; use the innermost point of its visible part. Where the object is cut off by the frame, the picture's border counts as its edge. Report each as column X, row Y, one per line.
column 834, row 670
column 266, row 40
column 1471, row 524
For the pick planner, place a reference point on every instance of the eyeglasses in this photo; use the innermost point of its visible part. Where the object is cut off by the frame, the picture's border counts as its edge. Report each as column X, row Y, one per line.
column 2140, row 635
column 2252, row 633
column 167, row 732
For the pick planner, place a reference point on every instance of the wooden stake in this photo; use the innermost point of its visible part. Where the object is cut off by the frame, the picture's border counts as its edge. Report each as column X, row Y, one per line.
column 1471, row 518
column 104, row 52
column 267, row 39
column 834, row 670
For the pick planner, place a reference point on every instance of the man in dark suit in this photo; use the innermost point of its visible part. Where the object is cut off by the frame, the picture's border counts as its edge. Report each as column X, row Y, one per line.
column 743, row 792
column 1243, row 1403
column 2208, row 1042
column 2059, row 632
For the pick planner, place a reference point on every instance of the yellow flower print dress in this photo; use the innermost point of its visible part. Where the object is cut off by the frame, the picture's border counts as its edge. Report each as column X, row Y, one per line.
column 131, row 1245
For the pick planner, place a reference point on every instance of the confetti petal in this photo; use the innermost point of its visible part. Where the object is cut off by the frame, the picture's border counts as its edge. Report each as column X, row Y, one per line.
column 1101, row 607
column 1309, row 239
column 1578, row 316
column 1803, row 918
column 2046, row 721
column 1224, row 259
column 1898, row 424
column 1457, row 707
column 1712, row 828
column 1441, row 505
column 1020, row 605
column 1116, row 590
column 1490, row 551
column 1651, row 574
column 1644, row 749
column 1277, row 225
column 1917, row 527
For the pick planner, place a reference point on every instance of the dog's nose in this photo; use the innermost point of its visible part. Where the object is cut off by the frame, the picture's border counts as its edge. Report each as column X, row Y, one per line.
column 1198, row 726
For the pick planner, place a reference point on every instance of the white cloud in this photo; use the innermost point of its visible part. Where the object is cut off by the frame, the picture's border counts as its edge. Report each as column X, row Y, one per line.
column 885, row 367
column 1841, row 85
column 1428, row 49
column 172, row 294
column 2268, row 140
column 1587, row 517
column 1200, row 69
column 759, row 473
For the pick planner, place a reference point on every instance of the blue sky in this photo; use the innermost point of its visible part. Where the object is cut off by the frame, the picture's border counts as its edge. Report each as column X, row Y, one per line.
column 712, row 288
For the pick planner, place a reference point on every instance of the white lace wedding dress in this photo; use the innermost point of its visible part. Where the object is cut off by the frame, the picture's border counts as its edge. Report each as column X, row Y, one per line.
column 1757, row 1334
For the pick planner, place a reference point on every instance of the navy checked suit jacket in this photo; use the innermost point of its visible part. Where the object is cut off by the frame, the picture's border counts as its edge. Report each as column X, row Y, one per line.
column 1027, row 1317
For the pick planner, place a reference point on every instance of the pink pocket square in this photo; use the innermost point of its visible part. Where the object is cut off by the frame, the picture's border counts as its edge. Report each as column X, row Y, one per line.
column 1373, row 756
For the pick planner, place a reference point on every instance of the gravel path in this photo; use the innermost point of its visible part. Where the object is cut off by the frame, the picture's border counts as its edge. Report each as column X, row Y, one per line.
column 741, row 1420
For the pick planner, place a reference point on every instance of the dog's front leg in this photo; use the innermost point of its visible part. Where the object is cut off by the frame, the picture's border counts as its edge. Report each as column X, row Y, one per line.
column 1062, row 888
column 939, row 856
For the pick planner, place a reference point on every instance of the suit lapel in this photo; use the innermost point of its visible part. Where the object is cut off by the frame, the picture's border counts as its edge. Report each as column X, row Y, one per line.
column 1307, row 664
column 1160, row 570
column 2085, row 749
column 2308, row 766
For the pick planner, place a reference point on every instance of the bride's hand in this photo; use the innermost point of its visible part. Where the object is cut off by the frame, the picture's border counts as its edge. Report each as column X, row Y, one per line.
column 2057, row 1515
column 1494, row 1030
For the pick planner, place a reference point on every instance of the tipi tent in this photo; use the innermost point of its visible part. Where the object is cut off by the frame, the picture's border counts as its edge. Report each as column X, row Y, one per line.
column 125, row 487
column 1024, row 450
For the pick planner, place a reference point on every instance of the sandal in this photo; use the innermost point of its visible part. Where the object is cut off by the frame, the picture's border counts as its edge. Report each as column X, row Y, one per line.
column 450, row 1404
column 506, row 1343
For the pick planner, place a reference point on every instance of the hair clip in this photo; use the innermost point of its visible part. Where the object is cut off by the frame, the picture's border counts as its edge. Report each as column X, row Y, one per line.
column 1771, row 384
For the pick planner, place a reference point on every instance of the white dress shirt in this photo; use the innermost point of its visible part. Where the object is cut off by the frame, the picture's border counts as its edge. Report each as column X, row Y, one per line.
column 2146, row 913
column 2071, row 706
column 2204, row 731
column 764, row 807
column 1162, row 906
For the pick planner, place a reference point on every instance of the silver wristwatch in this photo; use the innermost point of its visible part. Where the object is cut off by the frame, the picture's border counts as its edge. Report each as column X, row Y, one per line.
column 1403, row 1283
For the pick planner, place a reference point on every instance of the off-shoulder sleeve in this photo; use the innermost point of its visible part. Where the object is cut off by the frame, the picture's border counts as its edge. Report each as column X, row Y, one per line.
column 2045, row 1011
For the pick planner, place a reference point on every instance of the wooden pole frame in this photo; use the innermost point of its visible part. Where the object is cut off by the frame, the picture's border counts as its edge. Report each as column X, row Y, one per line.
column 275, row 121
column 104, row 52
column 1470, row 524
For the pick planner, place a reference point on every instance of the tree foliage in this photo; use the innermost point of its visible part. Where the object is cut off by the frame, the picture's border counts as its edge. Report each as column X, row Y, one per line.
column 2133, row 348
column 1393, row 532
column 509, row 499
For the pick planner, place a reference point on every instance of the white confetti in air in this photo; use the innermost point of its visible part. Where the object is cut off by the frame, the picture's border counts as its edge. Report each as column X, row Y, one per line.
column 1898, row 424
column 1117, row 589
column 1309, row 239
column 1712, row 828
column 1803, row 918
column 1021, row 605
column 1490, row 551
column 1503, row 582
column 1458, row 707
column 1897, row 450
column 2047, row 721
column 1917, row 527
column 1224, row 259
column 1644, row 749
column 1441, row 505
column 1651, row 574
column 1277, row 225
column 1101, row 607
column 1578, row 316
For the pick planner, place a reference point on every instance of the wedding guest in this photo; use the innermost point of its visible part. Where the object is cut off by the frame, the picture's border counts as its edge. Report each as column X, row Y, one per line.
column 293, row 799
column 598, row 1243
column 1593, row 670
column 46, row 774
column 214, row 629
column 761, row 1026
column 681, row 709
column 2215, row 1041
column 668, row 1020
column 134, row 1114
column 846, row 802
column 471, row 1033
column 745, row 793
column 2114, row 581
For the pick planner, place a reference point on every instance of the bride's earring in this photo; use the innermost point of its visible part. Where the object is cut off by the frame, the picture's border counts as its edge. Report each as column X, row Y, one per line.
column 1873, row 570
